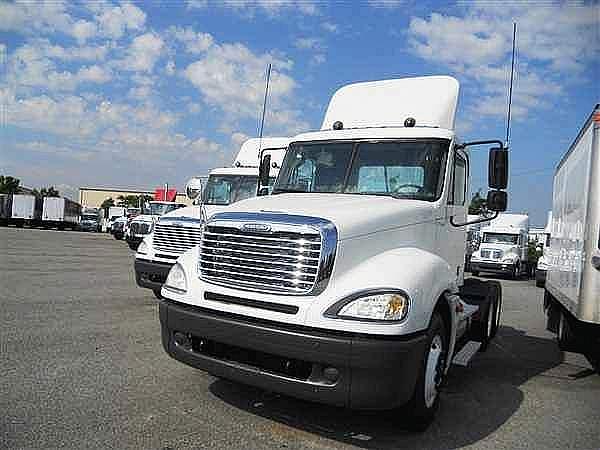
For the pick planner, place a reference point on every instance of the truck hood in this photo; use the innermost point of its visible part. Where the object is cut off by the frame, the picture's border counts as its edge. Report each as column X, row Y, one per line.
column 506, row 249
column 145, row 218
column 191, row 214
column 353, row 215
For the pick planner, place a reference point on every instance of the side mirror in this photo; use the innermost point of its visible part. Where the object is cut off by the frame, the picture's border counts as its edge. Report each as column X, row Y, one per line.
column 497, row 201
column 193, row 188
column 498, row 168
column 263, row 191
column 264, row 170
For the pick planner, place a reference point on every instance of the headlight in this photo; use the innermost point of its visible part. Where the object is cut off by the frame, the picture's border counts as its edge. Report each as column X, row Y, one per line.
column 176, row 279
column 509, row 260
column 143, row 247
column 384, row 306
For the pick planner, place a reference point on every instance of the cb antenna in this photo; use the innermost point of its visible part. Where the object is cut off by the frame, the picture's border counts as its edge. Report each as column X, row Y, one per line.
column 510, row 87
column 264, row 109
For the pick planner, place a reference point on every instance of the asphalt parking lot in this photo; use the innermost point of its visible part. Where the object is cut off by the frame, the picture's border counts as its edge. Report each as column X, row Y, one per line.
column 83, row 367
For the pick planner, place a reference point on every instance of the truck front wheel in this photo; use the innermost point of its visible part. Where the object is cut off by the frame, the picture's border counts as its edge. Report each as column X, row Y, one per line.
column 425, row 401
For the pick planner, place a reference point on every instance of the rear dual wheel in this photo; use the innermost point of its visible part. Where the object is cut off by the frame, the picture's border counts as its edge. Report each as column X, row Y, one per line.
column 486, row 327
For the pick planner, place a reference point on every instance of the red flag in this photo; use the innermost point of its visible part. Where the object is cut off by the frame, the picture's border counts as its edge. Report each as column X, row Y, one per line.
column 159, row 195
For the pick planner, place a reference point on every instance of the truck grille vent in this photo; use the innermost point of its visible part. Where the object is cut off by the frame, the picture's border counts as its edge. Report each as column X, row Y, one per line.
column 139, row 228
column 175, row 239
column 279, row 261
column 491, row 254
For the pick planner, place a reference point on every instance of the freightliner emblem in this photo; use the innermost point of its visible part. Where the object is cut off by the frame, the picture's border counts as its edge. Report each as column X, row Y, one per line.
column 257, row 227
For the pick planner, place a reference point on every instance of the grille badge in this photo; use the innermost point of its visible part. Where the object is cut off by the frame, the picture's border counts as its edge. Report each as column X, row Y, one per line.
column 257, row 227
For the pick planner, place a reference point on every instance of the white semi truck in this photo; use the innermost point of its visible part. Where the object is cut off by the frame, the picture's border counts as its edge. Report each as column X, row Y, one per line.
column 503, row 247
column 572, row 289
column 346, row 285
column 61, row 213
column 143, row 224
column 179, row 230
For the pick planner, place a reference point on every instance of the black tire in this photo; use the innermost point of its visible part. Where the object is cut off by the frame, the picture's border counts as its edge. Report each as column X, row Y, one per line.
column 564, row 332
column 539, row 283
column 516, row 272
column 157, row 294
column 421, row 411
column 497, row 309
column 133, row 245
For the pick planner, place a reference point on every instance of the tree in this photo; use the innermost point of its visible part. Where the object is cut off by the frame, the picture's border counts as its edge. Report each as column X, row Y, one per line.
column 133, row 201
column 107, row 203
column 9, row 185
column 478, row 204
column 46, row 192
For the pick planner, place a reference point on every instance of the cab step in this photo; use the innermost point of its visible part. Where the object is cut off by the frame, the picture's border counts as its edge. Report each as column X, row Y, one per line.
column 466, row 354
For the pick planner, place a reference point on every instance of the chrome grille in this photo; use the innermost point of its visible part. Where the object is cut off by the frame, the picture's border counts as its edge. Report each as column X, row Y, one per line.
column 139, row 228
column 175, row 239
column 491, row 254
column 277, row 261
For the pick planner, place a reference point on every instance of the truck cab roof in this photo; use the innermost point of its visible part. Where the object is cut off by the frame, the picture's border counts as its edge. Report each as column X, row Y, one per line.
column 249, row 153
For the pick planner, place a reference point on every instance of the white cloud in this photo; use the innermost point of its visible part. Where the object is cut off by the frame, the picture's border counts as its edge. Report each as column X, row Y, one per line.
column 270, row 7
column 386, row 3
column 555, row 42
column 330, row 27
column 114, row 21
column 232, row 77
column 143, row 53
column 194, row 108
column 170, row 67
column 50, row 16
column 87, row 53
column 194, row 42
column 29, row 67
column 308, row 43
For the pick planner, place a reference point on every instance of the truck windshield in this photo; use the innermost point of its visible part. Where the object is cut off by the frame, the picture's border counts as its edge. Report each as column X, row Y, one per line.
column 227, row 189
column 158, row 209
column 89, row 217
column 403, row 169
column 500, row 238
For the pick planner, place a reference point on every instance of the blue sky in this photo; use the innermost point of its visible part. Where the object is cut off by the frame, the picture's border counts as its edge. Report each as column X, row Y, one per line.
column 138, row 94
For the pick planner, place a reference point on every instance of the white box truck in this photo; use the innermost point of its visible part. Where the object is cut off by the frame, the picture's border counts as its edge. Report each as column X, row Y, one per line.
column 60, row 212
column 178, row 231
column 572, row 289
column 345, row 286
column 503, row 247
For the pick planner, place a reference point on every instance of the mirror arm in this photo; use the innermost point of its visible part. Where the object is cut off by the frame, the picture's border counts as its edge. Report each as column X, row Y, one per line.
column 491, row 141
column 472, row 222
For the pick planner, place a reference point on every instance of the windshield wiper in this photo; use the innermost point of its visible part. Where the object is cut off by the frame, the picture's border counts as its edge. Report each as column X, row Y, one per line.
column 284, row 190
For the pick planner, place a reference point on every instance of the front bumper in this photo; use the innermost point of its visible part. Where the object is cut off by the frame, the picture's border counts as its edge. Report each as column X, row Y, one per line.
column 484, row 266
column 151, row 274
column 373, row 372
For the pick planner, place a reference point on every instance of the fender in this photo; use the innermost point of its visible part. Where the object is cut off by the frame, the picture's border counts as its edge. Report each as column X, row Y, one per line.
column 424, row 276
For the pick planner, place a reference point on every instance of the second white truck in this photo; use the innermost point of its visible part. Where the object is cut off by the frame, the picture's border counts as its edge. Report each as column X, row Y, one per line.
column 179, row 230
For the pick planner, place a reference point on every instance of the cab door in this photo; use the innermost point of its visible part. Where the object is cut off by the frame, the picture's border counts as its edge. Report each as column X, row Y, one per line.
column 456, row 210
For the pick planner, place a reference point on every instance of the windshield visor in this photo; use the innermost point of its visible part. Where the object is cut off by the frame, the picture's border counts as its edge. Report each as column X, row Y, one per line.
column 404, row 169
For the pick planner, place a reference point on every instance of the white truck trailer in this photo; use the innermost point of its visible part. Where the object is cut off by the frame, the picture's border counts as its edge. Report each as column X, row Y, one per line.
column 60, row 212
column 24, row 209
column 572, row 289
column 345, row 286
column 503, row 247
column 179, row 230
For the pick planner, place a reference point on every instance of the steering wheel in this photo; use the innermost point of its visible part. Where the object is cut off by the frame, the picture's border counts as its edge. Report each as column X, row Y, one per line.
column 418, row 188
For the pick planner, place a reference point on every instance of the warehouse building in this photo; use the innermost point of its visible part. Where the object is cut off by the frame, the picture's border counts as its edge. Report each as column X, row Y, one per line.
column 94, row 196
